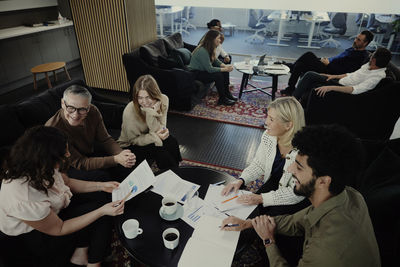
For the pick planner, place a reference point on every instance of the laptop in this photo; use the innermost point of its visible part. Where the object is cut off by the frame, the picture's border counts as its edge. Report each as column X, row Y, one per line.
column 262, row 62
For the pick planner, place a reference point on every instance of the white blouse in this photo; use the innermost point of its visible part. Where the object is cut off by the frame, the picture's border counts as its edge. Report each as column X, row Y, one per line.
column 262, row 165
column 19, row 201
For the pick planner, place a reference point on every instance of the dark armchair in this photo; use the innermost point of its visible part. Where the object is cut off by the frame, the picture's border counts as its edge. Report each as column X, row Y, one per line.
column 370, row 115
column 152, row 58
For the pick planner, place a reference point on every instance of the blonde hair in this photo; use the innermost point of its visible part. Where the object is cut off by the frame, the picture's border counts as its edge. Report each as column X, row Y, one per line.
column 288, row 109
column 148, row 84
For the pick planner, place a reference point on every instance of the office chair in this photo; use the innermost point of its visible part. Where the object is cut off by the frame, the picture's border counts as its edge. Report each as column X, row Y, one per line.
column 259, row 24
column 182, row 20
column 339, row 28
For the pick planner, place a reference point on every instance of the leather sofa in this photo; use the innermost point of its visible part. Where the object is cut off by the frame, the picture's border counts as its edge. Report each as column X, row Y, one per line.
column 36, row 110
column 174, row 80
column 370, row 115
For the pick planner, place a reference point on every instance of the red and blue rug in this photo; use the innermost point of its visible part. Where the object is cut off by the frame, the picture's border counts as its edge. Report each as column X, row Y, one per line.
column 248, row 111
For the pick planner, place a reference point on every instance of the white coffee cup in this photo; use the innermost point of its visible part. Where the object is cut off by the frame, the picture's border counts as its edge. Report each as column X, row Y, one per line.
column 171, row 238
column 131, row 228
column 247, row 60
column 169, row 205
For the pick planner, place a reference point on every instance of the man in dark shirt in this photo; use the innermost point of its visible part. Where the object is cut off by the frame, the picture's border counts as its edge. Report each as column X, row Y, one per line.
column 346, row 62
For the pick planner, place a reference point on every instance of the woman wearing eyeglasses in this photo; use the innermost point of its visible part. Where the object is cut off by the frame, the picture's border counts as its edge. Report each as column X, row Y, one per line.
column 144, row 125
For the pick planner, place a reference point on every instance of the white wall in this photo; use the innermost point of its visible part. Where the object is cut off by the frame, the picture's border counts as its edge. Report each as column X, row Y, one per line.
column 10, row 5
column 365, row 6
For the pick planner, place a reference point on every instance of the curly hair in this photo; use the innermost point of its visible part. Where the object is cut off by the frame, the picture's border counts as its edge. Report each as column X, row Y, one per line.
column 332, row 151
column 149, row 84
column 34, row 157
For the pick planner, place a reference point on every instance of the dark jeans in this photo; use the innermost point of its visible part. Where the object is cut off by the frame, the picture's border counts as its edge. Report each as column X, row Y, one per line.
column 166, row 156
column 41, row 249
column 307, row 62
column 309, row 81
column 221, row 80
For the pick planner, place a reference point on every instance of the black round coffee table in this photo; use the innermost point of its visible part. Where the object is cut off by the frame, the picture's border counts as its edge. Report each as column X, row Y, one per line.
column 148, row 248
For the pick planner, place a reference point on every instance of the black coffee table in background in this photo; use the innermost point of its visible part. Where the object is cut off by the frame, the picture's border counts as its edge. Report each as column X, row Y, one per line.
column 148, row 248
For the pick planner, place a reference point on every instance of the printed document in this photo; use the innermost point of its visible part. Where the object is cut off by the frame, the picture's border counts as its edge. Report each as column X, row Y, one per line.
column 168, row 183
column 137, row 181
column 228, row 204
column 196, row 208
column 207, row 239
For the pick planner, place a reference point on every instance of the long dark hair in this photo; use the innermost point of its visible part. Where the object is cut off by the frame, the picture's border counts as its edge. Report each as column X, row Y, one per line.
column 34, row 157
column 208, row 43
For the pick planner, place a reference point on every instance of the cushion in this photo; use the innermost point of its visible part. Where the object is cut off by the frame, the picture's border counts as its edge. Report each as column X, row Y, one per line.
column 34, row 112
column 12, row 127
column 183, row 54
column 151, row 51
column 393, row 71
column 173, row 41
column 382, row 172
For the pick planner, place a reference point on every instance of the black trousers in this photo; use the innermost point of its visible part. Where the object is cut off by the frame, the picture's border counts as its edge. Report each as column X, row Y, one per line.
column 39, row 249
column 221, row 80
column 166, row 156
column 307, row 62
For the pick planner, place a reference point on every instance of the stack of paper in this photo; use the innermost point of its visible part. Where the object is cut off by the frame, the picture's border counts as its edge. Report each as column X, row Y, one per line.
column 209, row 246
column 168, row 183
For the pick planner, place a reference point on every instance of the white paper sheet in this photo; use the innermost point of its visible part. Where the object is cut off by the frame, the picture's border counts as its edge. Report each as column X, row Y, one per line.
column 168, row 183
column 208, row 239
column 196, row 208
column 231, row 207
column 136, row 182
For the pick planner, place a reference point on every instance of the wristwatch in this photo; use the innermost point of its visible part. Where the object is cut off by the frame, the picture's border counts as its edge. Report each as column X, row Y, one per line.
column 268, row 242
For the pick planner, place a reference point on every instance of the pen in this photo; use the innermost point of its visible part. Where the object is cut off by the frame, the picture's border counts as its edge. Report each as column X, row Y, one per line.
column 122, row 200
column 231, row 225
column 219, row 183
column 229, row 199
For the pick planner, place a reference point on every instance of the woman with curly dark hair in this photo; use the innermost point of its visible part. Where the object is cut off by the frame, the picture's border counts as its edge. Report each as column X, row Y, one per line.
column 38, row 210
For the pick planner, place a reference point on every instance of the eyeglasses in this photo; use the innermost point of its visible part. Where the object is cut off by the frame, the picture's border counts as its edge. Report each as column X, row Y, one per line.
column 72, row 109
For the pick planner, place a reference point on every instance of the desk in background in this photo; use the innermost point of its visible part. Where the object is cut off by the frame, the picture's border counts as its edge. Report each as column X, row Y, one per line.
column 168, row 10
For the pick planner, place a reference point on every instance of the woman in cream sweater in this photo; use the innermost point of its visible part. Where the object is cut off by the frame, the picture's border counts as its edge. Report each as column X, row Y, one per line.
column 144, row 126
column 274, row 155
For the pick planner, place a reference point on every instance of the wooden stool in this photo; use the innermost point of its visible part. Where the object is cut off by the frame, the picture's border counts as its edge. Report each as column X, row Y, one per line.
column 44, row 68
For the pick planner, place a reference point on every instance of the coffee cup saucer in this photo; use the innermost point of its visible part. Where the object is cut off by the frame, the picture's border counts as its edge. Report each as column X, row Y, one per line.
column 174, row 216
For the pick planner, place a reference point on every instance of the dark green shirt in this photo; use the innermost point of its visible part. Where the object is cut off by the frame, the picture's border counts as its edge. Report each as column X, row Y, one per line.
column 201, row 61
column 337, row 233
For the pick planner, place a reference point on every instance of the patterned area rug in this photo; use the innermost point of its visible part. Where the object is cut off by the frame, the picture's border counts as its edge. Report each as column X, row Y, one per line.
column 248, row 111
column 120, row 257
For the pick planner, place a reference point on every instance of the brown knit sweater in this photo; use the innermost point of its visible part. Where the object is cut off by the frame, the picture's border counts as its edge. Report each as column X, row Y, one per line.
column 83, row 137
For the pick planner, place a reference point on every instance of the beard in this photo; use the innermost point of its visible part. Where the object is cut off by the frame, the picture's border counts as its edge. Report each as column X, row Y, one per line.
column 305, row 190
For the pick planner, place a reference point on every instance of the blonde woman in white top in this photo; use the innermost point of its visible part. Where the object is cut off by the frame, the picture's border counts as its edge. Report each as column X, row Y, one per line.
column 144, row 126
column 38, row 212
column 274, row 154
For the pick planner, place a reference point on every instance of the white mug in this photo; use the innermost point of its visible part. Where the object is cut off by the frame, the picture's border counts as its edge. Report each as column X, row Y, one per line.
column 169, row 205
column 131, row 228
column 171, row 238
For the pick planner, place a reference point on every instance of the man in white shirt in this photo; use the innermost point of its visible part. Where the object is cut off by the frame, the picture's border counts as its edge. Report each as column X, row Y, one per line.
column 360, row 81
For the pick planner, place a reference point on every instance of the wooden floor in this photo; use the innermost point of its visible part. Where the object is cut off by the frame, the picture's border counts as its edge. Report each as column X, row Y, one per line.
column 200, row 140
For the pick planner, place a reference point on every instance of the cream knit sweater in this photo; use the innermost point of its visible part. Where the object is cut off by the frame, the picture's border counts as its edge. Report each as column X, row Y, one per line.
column 262, row 165
column 134, row 131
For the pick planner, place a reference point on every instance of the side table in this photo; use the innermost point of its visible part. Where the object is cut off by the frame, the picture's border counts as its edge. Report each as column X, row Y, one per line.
column 48, row 67
column 274, row 71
